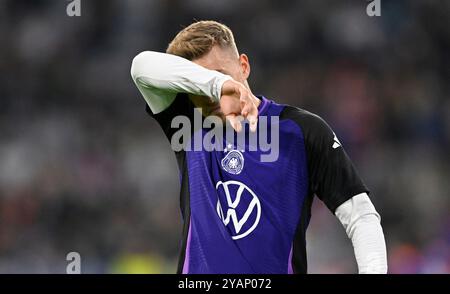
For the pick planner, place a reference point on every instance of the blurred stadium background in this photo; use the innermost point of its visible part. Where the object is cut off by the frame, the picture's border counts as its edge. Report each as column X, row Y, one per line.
column 82, row 168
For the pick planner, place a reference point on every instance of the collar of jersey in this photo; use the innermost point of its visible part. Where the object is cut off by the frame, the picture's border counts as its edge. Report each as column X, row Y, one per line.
column 263, row 106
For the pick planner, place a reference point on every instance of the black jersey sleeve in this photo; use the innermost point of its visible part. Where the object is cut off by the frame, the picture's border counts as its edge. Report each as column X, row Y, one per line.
column 182, row 105
column 332, row 175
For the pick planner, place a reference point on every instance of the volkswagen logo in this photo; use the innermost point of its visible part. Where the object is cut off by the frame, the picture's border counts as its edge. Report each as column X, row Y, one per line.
column 239, row 198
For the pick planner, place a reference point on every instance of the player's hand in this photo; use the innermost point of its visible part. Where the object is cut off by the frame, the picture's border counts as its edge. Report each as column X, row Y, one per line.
column 237, row 103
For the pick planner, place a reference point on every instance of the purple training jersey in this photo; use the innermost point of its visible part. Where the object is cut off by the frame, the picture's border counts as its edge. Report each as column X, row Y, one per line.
column 242, row 215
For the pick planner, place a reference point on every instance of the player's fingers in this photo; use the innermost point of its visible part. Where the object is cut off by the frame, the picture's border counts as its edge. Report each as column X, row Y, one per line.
column 250, row 111
column 246, row 108
column 244, row 100
column 234, row 122
column 253, row 119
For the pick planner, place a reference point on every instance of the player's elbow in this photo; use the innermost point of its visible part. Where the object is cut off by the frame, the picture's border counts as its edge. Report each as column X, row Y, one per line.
column 145, row 64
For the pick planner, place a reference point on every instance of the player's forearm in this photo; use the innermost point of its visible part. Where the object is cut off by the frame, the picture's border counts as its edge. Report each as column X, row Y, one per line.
column 362, row 224
column 369, row 246
column 160, row 75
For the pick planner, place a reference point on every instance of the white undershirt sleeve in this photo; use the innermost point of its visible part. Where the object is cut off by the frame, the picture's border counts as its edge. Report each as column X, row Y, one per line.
column 160, row 76
column 362, row 224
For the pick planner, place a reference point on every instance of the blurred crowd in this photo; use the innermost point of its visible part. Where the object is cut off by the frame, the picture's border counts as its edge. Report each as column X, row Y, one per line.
column 84, row 169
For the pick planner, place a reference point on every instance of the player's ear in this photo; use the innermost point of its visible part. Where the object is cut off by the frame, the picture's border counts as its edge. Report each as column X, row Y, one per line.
column 245, row 65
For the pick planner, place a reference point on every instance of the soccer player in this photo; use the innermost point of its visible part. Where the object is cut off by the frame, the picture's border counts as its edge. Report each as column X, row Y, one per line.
column 241, row 214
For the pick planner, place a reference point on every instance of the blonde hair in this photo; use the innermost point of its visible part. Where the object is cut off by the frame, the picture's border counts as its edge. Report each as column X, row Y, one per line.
column 199, row 38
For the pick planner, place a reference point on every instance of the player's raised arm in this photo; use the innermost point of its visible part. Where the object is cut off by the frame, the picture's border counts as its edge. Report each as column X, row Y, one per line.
column 160, row 76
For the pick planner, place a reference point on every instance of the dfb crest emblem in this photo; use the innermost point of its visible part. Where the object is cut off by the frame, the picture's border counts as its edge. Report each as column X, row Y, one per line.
column 233, row 162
